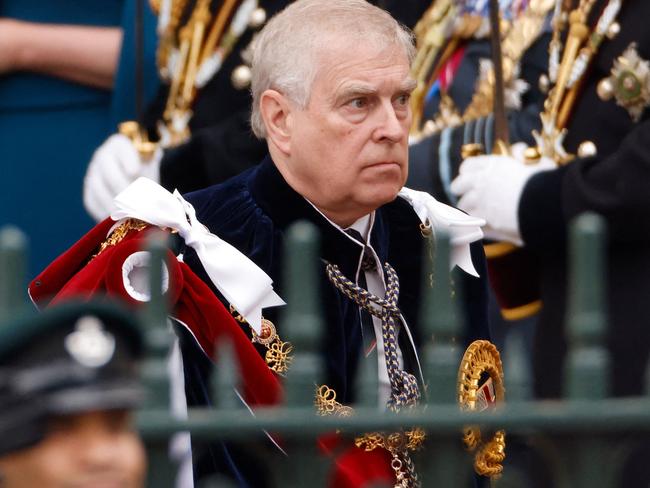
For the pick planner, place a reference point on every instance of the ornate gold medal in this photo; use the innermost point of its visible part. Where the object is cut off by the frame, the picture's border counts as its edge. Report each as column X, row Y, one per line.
column 628, row 83
column 480, row 387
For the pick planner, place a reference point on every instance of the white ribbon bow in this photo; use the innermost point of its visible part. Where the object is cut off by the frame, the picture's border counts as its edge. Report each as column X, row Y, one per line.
column 240, row 281
column 463, row 229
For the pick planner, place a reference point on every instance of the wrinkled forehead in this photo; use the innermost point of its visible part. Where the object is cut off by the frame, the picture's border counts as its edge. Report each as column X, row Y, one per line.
column 349, row 60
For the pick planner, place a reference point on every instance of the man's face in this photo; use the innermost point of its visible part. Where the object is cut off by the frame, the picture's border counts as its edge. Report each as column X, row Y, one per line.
column 349, row 147
column 95, row 449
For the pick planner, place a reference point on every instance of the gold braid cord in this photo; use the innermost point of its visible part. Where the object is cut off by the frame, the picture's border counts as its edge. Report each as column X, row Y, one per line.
column 120, row 232
column 489, row 458
column 481, row 369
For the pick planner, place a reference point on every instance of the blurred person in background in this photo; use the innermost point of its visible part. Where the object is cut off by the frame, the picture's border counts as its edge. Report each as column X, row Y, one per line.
column 66, row 78
column 453, row 105
column 68, row 382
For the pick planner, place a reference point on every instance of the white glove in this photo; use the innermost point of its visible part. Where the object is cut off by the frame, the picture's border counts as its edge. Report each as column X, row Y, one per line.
column 490, row 187
column 114, row 166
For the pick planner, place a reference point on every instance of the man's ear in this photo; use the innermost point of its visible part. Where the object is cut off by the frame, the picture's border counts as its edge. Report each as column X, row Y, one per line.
column 276, row 113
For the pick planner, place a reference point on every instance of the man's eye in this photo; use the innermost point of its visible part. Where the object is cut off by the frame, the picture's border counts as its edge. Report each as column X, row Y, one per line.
column 358, row 103
column 403, row 99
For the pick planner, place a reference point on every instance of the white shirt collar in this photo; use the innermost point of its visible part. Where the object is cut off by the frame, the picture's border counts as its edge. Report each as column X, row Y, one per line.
column 362, row 225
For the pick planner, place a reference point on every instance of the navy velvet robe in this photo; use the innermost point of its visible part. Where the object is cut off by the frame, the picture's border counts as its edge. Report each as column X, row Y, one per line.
column 253, row 211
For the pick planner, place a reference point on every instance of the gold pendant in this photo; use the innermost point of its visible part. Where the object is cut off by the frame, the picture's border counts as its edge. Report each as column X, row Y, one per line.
column 278, row 353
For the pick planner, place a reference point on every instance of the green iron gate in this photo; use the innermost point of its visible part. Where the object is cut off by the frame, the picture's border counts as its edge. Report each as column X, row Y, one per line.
column 584, row 440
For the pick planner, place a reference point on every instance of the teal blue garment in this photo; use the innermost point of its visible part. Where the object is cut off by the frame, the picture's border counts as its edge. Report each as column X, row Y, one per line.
column 50, row 127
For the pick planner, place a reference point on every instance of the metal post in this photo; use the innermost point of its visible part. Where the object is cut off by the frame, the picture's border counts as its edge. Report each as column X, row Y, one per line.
column 588, row 360
column 162, row 471
column 302, row 316
column 441, row 328
column 303, row 325
column 443, row 459
column 516, row 368
column 225, row 377
column 13, row 252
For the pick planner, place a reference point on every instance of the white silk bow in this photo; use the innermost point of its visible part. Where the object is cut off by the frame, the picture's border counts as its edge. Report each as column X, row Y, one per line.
column 247, row 287
column 463, row 229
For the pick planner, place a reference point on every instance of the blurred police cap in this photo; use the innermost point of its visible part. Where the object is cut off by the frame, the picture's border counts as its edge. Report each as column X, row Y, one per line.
column 72, row 358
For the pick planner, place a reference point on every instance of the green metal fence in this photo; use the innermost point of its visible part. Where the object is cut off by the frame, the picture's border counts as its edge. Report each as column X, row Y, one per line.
column 583, row 440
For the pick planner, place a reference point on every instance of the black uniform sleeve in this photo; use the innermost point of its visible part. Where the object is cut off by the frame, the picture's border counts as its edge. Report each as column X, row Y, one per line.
column 541, row 214
column 614, row 187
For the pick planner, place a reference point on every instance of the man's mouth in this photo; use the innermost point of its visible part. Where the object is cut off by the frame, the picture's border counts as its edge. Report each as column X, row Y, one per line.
column 381, row 164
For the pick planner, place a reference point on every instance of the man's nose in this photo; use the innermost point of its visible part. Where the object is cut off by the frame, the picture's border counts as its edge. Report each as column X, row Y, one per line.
column 98, row 442
column 390, row 126
column 101, row 450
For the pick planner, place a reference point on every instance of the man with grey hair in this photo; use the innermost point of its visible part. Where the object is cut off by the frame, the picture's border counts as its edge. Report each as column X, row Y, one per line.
column 331, row 88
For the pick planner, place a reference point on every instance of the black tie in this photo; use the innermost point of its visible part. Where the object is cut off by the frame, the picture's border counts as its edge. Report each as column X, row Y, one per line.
column 368, row 262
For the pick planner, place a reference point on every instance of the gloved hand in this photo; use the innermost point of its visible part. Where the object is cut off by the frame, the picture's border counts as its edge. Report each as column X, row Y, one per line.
column 113, row 167
column 490, row 187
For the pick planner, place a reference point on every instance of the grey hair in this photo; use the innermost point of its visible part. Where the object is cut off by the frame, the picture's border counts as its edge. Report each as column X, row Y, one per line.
column 285, row 51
